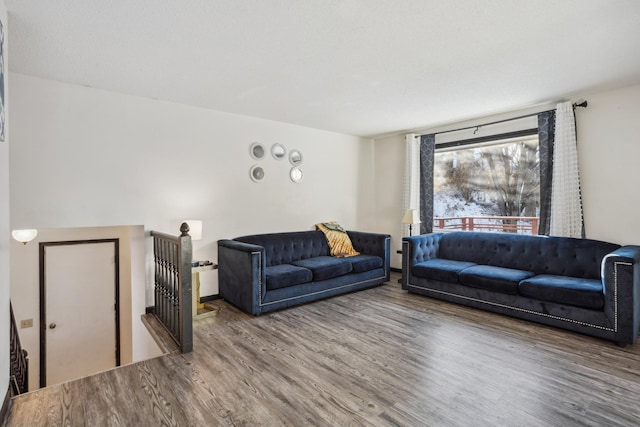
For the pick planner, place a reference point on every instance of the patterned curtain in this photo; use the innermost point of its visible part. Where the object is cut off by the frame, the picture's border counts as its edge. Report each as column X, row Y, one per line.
column 427, row 150
column 546, row 136
column 411, row 189
column 566, row 200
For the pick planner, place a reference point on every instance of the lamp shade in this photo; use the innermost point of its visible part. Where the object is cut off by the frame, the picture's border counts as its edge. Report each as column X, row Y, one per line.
column 195, row 228
column 411, row 217
column 24, row 236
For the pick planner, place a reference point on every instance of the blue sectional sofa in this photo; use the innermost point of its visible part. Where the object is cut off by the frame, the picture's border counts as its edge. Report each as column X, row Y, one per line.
column 587, row 286
column 265, row 272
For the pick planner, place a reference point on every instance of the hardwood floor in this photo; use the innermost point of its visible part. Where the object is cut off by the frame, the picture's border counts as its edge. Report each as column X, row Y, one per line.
column 378, row 357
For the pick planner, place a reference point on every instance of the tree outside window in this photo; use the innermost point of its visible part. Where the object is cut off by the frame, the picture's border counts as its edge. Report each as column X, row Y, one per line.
column 493, row 186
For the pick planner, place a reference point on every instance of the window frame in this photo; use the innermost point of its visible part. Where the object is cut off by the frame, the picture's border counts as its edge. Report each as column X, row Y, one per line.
column 487, row 141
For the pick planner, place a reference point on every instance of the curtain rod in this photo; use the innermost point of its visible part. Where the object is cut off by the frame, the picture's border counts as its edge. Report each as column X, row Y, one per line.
column 582, row 104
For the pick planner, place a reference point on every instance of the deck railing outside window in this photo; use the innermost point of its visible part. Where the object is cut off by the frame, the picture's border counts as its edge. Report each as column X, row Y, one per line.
column 504, row 224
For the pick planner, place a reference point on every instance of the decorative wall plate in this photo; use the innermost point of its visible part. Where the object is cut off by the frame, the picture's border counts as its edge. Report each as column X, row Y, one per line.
column 278, row 151
column 257, row 150
column 256, row 173
column 295, row 157
column 296, row 174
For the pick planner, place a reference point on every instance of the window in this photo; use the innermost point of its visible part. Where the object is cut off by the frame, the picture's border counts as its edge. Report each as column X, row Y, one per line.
column 488, row 184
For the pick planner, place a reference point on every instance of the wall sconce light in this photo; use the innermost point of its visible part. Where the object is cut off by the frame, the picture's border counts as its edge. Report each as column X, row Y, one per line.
column 24, row 236
column 195, row 228
column 411, row 217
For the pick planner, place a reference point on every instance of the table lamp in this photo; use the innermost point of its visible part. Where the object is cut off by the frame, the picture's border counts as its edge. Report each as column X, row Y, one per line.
column 411, row 217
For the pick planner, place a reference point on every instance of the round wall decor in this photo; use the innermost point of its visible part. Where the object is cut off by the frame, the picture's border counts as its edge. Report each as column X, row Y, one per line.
column 256, row 173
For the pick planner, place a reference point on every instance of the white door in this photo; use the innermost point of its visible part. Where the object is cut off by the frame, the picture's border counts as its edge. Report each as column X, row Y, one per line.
column 80, row 310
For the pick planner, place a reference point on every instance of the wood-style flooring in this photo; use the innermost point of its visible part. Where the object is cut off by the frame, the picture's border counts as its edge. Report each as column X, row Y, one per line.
column 379, row 357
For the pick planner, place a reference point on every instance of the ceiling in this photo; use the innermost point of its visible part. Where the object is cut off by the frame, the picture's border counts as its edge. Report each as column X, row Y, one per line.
column 359, row 67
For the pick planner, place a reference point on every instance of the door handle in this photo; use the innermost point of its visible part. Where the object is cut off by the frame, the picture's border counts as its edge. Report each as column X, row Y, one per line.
column 52, row 325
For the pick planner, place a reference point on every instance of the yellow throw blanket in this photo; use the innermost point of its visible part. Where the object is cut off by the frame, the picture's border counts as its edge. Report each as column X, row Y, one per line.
column 338, row 239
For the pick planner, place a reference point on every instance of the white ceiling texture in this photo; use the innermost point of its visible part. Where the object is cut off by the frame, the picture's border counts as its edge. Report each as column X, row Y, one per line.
column 360, row 67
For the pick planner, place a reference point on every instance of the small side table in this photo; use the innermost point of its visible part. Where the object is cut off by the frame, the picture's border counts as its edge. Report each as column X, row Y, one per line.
column 201, row 310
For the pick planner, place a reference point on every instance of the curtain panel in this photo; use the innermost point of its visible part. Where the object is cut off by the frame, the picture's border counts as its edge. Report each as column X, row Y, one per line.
column 546, row 137
column 411, row 185
column 427, row 151
column 566, row 200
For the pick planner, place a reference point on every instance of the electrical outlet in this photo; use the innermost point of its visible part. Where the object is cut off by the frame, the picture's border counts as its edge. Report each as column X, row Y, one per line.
column 27, row 323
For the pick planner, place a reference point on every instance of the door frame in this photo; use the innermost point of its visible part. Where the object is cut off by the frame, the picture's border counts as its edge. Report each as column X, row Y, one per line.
column 43, row 302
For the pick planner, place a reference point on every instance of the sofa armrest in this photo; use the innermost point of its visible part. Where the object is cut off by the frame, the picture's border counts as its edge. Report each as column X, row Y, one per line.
column 370, row 243
column 373, row 244
column 621, row 281
column 416, row 249
column 241, row 275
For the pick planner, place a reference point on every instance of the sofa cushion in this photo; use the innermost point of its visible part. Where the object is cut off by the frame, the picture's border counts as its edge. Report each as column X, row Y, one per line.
column 360, row 263
column 285, row 275
column 445, row 270
column 326, row 267
column 492, row 278
column 586, row 293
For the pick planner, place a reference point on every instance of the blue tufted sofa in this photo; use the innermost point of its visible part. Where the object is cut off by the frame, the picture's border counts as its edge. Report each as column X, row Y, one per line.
column 265, row 272
column 587, row 286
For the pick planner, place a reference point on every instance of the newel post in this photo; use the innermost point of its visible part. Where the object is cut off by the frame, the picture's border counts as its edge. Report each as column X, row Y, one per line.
column 186, row 317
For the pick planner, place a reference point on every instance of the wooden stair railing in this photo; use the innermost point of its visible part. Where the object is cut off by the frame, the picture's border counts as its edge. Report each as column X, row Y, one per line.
column 172, row 285
column 19, row 361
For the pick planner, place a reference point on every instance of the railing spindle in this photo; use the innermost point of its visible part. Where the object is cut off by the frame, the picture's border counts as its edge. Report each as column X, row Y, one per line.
column 172, row 258
column 19, row 363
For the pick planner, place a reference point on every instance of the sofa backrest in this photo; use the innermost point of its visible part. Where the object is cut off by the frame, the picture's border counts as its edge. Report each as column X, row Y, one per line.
column 285, row 248
column 562, row 256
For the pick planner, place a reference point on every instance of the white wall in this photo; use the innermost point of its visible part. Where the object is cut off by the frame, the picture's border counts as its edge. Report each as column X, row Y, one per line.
column 608, row 151
column 84, row 157
column 608, row 154
column 4, row 228
column 389, row 164
column 4, row 267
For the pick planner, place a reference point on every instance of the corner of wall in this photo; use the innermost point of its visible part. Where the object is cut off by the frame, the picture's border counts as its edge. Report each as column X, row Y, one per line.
column 4, row 219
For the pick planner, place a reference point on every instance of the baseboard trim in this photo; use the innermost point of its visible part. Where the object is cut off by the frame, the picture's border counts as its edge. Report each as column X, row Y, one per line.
column 208, row 298
column 397, row 270
column 4, row 412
